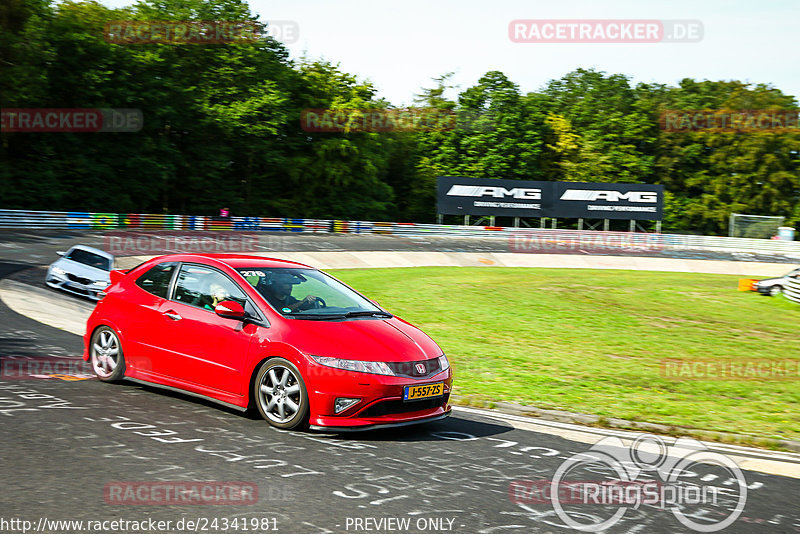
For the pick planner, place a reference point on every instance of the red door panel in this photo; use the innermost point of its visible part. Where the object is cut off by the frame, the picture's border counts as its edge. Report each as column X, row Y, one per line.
column 198, row 346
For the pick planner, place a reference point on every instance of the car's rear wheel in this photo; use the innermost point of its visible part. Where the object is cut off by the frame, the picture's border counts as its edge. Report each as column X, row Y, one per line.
column 107, row 359
column 774, row 290
column 280, row 394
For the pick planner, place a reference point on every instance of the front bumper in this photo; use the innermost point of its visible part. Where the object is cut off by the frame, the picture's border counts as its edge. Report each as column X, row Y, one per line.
column 765, row 290
column 380, row 426
column 381, row 401
column 76, row 288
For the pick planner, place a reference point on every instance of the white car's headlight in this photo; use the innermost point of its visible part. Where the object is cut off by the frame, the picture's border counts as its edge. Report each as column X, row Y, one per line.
column 59, row 271
column 443, row 363
column 101, row 283
column 358, row 366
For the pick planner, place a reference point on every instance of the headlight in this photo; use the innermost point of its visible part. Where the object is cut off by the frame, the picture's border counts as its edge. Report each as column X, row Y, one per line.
column 59, row 271
column 443, row 363
column 358, row 366
column 101, row 283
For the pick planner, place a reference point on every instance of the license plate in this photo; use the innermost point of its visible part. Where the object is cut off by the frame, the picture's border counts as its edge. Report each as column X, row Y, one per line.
column 427, row 391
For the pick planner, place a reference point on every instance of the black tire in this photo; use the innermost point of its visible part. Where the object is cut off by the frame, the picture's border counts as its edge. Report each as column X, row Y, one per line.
column 106, row 357
column 280, row 394
column 775, row 290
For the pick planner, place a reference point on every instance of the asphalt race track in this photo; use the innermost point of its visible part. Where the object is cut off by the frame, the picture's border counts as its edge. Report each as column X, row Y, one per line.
column 69, row 445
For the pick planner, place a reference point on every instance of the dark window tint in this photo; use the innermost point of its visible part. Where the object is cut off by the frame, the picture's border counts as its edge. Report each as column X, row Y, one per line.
column 89, row 258
column 156, row 280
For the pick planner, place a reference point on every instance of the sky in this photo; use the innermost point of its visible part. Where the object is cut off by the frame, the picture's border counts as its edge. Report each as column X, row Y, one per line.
column 401, row 46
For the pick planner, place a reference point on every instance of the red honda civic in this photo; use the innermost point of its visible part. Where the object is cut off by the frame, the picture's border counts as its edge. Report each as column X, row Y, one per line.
column 295, row 343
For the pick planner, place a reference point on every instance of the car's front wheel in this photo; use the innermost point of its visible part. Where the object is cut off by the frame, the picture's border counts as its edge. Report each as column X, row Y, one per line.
column 280, row 394
column 774, row 290
column 107, row 359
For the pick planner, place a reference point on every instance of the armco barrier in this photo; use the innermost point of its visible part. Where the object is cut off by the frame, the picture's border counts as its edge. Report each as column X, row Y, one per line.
column 792, row 289
column 530, row 240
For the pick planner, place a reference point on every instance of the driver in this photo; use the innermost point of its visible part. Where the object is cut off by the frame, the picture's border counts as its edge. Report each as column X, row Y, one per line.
column 279, row 294
column 216, row 294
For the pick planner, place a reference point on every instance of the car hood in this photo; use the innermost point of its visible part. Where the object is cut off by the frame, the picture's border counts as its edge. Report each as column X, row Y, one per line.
column 368, row 339
column 771, row 281
column 84, row 271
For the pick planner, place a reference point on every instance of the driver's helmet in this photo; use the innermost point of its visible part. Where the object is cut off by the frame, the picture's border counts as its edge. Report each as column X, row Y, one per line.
column 281, row 277
column 217, row 291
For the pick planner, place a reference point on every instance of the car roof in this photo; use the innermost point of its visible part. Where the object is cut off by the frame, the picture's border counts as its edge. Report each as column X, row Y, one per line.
column 93, row 250
column 237, row 261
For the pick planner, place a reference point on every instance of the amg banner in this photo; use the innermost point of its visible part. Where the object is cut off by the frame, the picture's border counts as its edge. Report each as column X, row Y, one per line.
column 486, row 196
column 518, row 198
column 572, row 200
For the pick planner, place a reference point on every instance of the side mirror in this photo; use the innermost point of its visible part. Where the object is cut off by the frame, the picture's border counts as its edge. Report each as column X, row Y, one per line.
column 117, row 274
column 230, row 309
column 60, row 252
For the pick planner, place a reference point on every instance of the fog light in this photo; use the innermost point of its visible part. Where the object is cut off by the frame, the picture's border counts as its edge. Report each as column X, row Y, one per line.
column 341, row 404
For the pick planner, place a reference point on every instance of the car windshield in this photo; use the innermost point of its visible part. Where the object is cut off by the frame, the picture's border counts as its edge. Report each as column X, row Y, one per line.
column 308, row 293
column 89, row 258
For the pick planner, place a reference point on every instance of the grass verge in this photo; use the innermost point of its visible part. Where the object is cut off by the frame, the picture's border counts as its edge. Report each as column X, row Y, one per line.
column 595, row 341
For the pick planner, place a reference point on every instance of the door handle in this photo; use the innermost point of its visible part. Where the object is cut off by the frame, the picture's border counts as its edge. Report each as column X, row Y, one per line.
column 172, row 315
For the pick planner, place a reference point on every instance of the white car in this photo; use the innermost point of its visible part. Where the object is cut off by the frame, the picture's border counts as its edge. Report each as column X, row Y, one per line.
column 773, row 286
column 82, row 271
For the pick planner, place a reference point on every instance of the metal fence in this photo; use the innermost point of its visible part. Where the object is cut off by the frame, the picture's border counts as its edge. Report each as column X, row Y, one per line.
column 519, row 239
column 791, row 289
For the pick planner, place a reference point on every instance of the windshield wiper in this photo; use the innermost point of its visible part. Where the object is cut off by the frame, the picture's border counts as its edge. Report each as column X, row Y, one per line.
column 348, row 315
column 314, row 316
column 376, row 313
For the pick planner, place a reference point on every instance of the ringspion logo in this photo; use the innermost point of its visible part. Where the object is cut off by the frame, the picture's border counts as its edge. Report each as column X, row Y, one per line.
column 682, row 476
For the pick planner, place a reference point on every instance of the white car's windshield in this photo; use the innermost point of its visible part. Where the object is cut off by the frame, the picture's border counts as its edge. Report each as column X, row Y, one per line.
column 308, row 293
column 89, row 258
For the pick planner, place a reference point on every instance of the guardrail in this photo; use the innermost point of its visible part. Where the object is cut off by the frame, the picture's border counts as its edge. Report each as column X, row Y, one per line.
column 530, row 240
column 791, row 289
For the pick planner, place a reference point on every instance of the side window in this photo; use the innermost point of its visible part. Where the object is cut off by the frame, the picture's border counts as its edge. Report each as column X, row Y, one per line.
column 156, row 280
column 205, row 288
